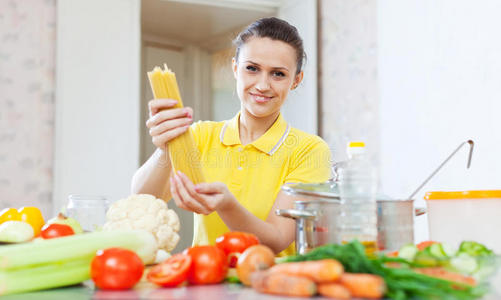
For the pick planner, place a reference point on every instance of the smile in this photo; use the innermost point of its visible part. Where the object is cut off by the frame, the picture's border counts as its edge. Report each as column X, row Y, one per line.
column 260, row 98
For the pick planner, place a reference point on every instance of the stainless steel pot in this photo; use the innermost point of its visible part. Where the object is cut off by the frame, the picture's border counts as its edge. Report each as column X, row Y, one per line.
column 316, row 209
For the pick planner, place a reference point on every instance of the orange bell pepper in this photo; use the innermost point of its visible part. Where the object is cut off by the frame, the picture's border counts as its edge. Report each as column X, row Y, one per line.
column 28, row 214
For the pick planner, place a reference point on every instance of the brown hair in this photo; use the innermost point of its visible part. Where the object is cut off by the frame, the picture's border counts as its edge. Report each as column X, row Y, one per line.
column 275, row 29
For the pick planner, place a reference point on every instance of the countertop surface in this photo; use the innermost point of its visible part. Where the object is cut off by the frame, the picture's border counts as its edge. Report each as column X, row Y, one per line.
column 145, row 290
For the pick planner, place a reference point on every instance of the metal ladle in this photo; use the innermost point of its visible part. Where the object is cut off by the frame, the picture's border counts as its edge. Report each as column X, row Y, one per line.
column 470, row 142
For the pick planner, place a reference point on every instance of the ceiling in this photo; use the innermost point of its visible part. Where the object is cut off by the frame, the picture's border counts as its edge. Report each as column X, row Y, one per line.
column 191, row 22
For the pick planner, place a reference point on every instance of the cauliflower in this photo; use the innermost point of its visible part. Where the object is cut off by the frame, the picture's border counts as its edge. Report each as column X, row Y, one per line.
column 145, row 212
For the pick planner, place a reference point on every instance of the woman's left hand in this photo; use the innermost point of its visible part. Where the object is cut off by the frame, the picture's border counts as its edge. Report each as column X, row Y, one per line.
column 203, row 198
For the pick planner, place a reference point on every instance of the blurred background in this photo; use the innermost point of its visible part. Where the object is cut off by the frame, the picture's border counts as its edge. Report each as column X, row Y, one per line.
column 413, row 79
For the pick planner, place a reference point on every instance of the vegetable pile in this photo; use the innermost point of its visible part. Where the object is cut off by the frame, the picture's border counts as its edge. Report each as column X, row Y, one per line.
column 305, row 278
column 59, row 254
column 204, row 264
column 471, row 258
column 401, row 280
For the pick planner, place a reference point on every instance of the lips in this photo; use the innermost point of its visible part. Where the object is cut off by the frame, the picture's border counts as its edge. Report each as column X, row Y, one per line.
column 259, row 98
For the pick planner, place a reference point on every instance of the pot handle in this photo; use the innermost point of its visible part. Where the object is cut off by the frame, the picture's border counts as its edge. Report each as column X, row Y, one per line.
column 295, row 214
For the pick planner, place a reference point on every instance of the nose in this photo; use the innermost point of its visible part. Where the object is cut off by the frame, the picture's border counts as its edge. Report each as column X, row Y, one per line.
column 263, row 83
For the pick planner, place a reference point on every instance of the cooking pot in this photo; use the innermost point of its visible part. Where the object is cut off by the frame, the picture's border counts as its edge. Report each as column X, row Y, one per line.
column 317, row 207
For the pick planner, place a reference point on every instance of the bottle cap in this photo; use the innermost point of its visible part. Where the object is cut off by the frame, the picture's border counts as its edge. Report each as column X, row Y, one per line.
column 356, row 144
column 355, row 148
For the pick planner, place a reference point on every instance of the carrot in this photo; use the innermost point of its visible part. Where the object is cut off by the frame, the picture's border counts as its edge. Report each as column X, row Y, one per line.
column 364, row 285
column 441, row 273
column 282, row 284
column 325, row 270
column 333, row 290
column 425, row 244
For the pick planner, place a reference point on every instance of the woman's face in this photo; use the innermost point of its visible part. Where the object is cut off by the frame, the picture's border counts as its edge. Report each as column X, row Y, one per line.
column 265, row 73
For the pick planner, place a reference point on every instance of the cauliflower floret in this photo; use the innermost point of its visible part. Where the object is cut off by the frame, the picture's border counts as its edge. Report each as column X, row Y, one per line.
column 145, row 212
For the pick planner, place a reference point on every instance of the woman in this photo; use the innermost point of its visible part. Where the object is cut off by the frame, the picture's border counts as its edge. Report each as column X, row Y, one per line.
column 248, row 158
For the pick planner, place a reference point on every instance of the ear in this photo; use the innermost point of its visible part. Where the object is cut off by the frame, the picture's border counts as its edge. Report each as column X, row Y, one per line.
column 234, row 66
column 297, row 80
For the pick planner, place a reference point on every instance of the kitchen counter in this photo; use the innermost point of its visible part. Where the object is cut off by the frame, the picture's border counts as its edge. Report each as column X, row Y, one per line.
column 145, row 290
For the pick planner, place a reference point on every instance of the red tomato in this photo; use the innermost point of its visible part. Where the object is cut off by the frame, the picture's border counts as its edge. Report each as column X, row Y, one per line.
column 209, row 264
column 50, row 231
column 116, row 269
column 171, row 272
column 233, row 243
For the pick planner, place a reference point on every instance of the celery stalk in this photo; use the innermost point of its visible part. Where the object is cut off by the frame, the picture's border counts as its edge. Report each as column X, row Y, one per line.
column 76, row 247
column 44, row 277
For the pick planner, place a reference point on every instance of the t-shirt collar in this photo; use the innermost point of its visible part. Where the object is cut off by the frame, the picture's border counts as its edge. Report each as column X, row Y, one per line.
column 268, row 143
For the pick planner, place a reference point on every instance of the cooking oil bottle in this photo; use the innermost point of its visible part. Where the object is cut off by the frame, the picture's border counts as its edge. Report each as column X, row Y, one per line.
column 358, row 188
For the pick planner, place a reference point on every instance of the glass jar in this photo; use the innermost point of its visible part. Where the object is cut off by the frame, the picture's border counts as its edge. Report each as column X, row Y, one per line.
column 88, row 210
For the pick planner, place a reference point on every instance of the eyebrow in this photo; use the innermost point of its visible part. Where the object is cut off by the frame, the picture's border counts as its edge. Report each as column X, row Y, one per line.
column 274, row 68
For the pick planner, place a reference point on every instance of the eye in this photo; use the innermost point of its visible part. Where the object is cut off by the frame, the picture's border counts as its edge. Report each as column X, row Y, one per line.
column 251, row 68
column 278, row 74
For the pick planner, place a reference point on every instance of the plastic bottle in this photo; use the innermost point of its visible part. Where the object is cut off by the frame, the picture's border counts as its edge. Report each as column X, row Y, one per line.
column 358, row 188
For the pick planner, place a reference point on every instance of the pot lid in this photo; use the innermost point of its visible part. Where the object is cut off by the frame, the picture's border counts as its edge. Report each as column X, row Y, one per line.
column 328, row 189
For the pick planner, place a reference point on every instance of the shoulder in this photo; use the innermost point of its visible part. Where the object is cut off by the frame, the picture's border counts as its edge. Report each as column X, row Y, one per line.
column 309, row 157
column 206, row 128
column 207, row 125
column 306, row 142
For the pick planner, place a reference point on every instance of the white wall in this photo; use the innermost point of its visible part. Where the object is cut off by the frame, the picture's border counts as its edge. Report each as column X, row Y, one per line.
column 300, row 109
column 27, row 86
column 440, row 75
column 348, row 75
column 97, row 97
column 225, row 102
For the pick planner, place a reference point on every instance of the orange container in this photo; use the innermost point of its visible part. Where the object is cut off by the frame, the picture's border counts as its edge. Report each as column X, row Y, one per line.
column 469, row 215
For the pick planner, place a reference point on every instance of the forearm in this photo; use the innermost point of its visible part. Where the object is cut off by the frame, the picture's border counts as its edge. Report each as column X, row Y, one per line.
column 153, row 176
column 237, row 218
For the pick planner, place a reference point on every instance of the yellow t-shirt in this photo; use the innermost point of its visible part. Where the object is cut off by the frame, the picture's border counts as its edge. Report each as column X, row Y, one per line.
column 254, row 173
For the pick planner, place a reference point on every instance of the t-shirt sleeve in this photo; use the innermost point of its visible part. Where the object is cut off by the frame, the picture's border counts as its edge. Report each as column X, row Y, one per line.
column 197, row 133
column 311, row 163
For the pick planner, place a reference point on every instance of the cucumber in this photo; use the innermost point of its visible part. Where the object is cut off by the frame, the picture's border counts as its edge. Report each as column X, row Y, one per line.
column 449, row 250
column 464, row 263
column 426, row 259
column 437, row 251
column 408, row 252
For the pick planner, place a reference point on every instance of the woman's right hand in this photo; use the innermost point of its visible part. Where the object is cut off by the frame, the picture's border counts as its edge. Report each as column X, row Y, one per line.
column 165, row 122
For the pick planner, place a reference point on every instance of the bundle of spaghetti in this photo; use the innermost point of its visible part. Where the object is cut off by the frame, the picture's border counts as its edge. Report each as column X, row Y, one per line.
column 184, row 155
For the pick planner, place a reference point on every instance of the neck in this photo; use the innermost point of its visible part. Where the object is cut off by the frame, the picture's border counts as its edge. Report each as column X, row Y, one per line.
column 251, row 128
